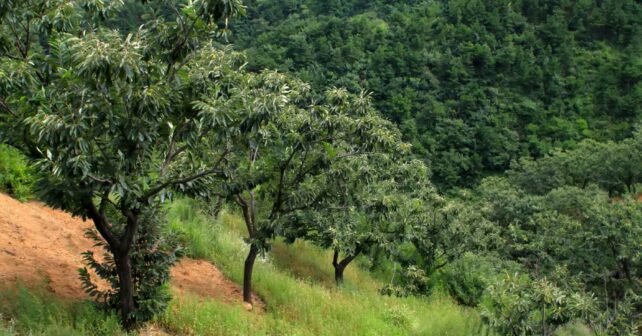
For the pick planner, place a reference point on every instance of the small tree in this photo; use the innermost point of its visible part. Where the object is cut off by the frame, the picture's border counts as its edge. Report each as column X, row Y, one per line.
column 368, row 207
column 283, row 168
column 152, row 256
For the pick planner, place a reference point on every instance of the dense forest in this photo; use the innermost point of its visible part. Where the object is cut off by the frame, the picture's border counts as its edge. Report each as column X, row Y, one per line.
column 473, row 85
column 485, row 151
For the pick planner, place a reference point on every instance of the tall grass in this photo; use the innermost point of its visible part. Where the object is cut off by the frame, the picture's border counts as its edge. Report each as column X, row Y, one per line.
column 296, row 284
column 34, row 312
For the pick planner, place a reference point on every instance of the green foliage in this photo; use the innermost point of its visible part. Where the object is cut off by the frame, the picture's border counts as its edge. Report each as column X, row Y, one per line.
column 468, row 277
column 518, row 305
column 579, row 218
column 16, row 174
column 472, row 84
column 153, row 255
column 30, row 312
column 613, row 167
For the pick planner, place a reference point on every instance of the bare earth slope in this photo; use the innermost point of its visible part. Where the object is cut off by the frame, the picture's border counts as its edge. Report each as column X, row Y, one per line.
column 41, row 246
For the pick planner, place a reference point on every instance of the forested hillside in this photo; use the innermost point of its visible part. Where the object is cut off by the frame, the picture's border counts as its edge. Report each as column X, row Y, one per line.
column 459, row 167
column 473, row 84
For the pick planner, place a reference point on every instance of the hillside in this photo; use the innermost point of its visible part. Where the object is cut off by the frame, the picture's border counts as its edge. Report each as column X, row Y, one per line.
column 307, row 167
column 472, row 84
column 41, row 246
column 41, row 250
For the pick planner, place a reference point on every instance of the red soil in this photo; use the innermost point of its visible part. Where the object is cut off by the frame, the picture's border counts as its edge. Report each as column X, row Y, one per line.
column 42, row 246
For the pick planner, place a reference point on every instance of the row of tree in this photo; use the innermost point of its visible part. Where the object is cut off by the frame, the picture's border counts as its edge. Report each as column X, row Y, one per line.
column 122, row 117
column 120, row 120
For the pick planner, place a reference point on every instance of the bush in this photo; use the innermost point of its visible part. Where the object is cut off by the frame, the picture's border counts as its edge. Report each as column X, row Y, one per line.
column 467, row 278
column 16, row 176
column 412, row 281
column 152, row 257
column 518, row 305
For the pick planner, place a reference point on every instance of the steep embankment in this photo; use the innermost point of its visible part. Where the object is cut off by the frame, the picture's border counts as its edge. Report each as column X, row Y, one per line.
column 41, row 246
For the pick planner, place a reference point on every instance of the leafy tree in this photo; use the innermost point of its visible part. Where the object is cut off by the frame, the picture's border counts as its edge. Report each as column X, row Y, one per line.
column 281, row 168
column 521, row 306
column 366, row 208
column 584, row 231
column 111, row 115
column 612, row 166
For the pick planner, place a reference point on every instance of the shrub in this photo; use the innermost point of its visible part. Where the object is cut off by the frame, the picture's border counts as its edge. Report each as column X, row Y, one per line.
column 412, row 281
column 399, row 316
column 467, row 278
column 519, row 305
column 16, row 176
column 152, row 257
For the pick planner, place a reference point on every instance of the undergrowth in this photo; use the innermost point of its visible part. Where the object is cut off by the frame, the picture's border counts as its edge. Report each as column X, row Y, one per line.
column 16, row 175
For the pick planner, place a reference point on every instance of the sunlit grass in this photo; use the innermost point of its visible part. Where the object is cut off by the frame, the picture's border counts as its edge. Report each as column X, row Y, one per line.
column 35, row 312
column 296, row 282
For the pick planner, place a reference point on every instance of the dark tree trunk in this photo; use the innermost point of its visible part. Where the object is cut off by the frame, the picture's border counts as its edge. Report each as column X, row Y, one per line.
column 340, row 266
column 126, row 283
column 120, row 248
column 216, row 208
column 338, row 274
column 247, row 273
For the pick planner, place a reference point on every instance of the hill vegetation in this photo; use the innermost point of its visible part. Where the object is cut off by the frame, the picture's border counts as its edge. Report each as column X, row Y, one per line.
column 416, row 167
column 473, row 85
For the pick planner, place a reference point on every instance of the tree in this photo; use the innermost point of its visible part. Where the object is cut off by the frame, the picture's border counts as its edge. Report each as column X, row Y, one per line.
column 343, row 220
column 111, row 116
column 590, row 235
column 374, row 204
column 282, row 168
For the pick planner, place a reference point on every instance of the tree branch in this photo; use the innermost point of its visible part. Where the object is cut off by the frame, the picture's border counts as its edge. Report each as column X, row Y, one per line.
column 18, row 41
column 171, row 154
column 100, row 180
column 6, row 107
column 215, row 169
column 100, row 222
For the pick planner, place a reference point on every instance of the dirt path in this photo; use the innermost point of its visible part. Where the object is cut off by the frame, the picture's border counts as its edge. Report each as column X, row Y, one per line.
column 41, row 246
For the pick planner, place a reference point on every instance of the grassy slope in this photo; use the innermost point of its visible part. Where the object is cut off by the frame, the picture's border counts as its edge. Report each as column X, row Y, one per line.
column 294, row 281
column 28, row 312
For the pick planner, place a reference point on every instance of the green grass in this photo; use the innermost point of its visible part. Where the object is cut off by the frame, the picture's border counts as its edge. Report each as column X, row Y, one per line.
column 16, row 176
column 296, row 283
column 35, row 312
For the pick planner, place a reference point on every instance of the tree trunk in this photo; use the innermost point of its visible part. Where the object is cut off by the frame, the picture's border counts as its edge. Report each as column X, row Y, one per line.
column 340, row 266
column 247, row 273
column 338, row 274
column 126, row 284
